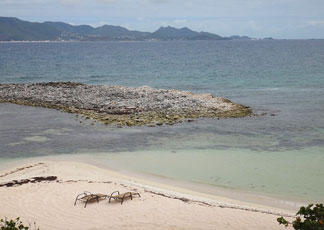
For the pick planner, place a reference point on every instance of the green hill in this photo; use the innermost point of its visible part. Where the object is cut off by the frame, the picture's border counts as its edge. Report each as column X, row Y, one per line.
column 14, row 29
column 17, row 30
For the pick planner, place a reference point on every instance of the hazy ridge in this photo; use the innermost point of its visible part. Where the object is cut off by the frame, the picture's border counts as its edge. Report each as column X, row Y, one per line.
column 14, row 29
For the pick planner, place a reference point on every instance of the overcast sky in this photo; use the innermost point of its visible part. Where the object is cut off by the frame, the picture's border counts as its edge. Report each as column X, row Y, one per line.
column 254, row 18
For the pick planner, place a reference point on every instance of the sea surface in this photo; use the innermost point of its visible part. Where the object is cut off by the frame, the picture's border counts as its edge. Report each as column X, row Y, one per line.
column 280, row 153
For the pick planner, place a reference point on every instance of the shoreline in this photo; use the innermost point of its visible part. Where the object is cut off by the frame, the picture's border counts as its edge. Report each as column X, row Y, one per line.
column 161, row 185
column 276, row 203
column 182, row 209
column 237, row 196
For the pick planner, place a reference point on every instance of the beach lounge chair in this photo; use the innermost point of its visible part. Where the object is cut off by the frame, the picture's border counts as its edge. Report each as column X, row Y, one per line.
column 121, row 196
column 88, row 197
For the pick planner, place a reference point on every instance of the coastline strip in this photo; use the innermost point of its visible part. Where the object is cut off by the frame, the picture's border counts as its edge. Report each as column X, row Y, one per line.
column 59, row 172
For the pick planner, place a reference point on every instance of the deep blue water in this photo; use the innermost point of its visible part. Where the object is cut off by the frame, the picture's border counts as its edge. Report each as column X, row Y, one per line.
column 284, row 78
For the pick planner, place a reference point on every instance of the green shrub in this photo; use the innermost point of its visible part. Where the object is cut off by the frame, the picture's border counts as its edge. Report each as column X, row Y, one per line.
column 308, row 218
column 14, row 225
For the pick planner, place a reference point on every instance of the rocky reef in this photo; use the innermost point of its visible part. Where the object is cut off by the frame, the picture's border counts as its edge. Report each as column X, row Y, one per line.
column 131, row 106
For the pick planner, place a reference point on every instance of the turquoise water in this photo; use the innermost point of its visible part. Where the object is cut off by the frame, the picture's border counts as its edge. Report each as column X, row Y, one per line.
column 279, row 153
column 278, row 174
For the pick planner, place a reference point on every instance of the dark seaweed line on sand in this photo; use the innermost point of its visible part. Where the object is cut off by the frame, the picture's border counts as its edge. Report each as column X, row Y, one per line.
column 15, row 183
column 186, row 200
column 21, row 169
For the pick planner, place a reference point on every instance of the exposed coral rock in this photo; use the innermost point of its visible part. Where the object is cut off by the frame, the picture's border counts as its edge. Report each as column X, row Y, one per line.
column 122, row 105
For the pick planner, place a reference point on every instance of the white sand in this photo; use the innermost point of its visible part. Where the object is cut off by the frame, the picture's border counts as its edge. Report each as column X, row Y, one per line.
column 50, row 204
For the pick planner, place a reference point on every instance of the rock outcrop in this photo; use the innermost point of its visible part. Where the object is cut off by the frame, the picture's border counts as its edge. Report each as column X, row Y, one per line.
column 122, row 105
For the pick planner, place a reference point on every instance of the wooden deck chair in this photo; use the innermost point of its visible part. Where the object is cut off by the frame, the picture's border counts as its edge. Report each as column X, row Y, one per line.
column 88, row 197
column 121, row 196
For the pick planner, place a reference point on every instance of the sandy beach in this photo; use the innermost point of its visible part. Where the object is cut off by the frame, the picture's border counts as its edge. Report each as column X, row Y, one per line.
column 50, row 203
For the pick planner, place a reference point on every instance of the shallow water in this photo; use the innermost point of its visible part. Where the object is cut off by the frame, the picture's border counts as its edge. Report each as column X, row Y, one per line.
column 249, row 170
column 189, row 152
column 281, row 153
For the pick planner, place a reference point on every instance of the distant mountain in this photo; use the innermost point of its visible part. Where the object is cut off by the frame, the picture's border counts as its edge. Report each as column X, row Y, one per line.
column 14, row 29
column 118, row 32
column 171, row 33
column 61, row 26
column 236, row 37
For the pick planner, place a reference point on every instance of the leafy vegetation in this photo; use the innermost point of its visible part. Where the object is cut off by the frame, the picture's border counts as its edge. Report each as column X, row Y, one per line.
column 15, row 225
column 308, row 218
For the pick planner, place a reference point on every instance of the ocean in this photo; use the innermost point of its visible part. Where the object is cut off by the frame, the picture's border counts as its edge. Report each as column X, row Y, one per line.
column 279, row 154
